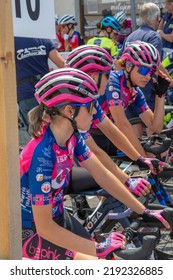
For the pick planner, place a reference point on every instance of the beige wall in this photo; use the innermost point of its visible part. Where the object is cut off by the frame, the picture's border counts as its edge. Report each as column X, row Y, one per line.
column 64, row 7
column 71, row 7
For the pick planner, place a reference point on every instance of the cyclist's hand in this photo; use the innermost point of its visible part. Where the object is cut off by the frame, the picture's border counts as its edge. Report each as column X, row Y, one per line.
column 138, row 186
column 113, row 242
column 153, row 164
column 161, row 85
column 155, row 216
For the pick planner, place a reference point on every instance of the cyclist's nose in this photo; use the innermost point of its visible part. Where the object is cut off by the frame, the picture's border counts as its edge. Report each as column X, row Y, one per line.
column 148, row 76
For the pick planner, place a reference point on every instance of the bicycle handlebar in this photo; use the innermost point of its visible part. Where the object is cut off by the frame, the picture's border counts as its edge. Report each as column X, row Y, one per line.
column 162, row 142
column 167, row 131
column 140, row 253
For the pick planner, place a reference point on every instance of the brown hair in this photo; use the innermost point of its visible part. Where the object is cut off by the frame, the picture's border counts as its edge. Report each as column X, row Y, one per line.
column 98, row 25
column 36, row 121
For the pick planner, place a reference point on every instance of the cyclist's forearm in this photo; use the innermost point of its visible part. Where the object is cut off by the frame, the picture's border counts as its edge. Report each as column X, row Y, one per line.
column 155, row 121
column 118, row 139
column 106, row 160
column 111, row 166
column 111, row 184
column 125, row 145
column 71, row 241
column 130, row 134
column 159, row 114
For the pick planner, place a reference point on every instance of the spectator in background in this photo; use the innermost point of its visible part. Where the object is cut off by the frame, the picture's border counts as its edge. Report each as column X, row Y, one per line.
column 31, row 55
column 72, row 38
column 165, row 28
column 107, row 38
column 60, row 45
column 167, row 62
column 126, row 26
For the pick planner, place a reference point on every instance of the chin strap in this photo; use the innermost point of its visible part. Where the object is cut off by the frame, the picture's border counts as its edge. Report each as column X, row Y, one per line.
column 129, row 76
column 99, row 80
column 73, row 122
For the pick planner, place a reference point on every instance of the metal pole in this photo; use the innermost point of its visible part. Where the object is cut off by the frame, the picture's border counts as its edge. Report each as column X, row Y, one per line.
column 133, row 14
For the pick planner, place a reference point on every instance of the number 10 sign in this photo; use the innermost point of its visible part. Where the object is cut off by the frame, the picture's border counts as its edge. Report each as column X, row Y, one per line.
column 33, row 18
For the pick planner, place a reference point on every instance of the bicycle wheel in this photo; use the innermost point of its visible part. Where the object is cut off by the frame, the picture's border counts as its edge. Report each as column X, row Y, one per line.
column 164, row 249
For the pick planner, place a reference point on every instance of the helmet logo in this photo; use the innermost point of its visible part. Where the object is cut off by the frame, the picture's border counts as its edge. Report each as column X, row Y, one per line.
column 82, row 90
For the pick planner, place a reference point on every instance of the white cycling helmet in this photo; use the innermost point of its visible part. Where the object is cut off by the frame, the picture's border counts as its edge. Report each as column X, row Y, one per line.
column 120, row 16
column 67, row 19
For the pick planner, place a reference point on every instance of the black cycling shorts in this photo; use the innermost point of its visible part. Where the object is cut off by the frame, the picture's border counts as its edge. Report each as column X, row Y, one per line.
column 105, row 144
column 36, row 248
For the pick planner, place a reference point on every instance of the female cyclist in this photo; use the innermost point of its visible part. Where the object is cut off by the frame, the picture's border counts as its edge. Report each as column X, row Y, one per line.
column 66, row 104
column 125, row 26
column 165, row 28
column 139, row 62
column 107, row 38
column 72, row 38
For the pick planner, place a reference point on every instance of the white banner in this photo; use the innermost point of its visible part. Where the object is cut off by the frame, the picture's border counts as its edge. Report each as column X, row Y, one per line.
column 34, row 18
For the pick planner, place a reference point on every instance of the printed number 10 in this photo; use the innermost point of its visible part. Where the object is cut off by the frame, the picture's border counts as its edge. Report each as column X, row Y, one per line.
column 33, row 14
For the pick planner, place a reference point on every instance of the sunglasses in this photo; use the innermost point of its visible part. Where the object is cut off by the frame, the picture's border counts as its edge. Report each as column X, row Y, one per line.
column 88, row 105
column 142, row 70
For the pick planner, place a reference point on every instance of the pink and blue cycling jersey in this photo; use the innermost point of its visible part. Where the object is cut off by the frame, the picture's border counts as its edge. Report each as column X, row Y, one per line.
column 45, row 171
column 76, row 40
column 117, row 94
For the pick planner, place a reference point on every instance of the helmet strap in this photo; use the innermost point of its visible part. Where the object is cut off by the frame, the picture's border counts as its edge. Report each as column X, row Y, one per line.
column 73, row 122
column 99, row 80
column 129, row 76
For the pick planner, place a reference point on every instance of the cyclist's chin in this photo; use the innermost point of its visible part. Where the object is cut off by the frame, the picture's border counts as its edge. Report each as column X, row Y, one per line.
column 142, row 84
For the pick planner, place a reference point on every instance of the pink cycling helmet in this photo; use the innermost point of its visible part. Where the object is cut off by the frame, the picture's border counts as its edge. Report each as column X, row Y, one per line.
column 65, row 85
column 89, row 58
column 142, row 54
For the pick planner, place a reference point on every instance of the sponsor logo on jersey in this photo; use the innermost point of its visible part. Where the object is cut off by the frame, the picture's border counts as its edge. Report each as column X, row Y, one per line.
column 110, row 88
column 46, row 187
column 39, row 177
column 115, row 95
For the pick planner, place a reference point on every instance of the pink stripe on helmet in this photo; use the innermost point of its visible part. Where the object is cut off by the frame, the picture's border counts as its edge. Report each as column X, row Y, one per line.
column 59, row 86
column 63, row 73
column 127, row 56
column 66, row 98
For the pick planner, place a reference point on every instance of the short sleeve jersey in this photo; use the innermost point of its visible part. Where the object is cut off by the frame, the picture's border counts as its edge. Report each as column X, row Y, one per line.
column 118, row 94
column 106, row 43
column 167, row 29
column 168, row 63
column 45, row 171
column 31, row 55
column 76, row 40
